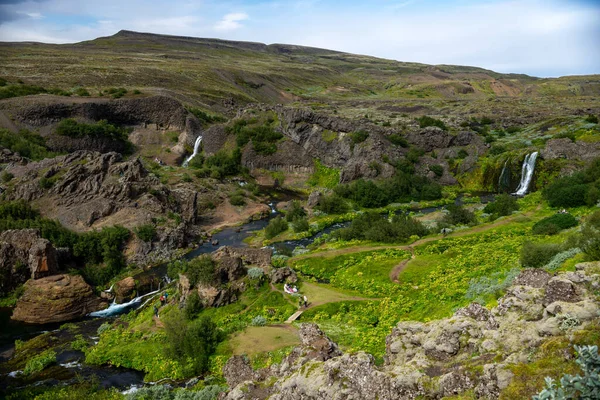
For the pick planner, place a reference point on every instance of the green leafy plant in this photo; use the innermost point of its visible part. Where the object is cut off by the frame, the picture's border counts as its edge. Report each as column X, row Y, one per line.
column 39, row 362
column 554, row 224
column 146, row 232
column 586, row 386
column 426, row 121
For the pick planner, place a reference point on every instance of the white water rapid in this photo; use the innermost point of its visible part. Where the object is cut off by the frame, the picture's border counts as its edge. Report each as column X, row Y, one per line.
column 526, row 174
column 115, row 308
column 196, row 148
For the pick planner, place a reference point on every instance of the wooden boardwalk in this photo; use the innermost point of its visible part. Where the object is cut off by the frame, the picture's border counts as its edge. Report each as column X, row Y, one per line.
column 294, row 317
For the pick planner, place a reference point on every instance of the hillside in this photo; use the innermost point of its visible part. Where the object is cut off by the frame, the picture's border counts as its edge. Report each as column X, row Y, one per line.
column 237, row 220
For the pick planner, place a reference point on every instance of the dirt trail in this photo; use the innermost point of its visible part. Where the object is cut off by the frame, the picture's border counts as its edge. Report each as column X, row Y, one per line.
column 395, row 272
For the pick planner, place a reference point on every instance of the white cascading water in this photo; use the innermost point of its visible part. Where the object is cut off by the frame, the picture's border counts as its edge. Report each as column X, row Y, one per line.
column 526, row 174
column 115, row 308
column 196, row 148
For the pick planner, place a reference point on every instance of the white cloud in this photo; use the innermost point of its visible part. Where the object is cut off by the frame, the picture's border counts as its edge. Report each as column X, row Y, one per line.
column 539, row 37
column 231, row 22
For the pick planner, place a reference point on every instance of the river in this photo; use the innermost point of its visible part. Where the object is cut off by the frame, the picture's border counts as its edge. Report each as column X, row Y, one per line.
column 71, row 363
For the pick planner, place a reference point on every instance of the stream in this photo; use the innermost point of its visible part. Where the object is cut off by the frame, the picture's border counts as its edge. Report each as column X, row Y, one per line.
column 70, row 363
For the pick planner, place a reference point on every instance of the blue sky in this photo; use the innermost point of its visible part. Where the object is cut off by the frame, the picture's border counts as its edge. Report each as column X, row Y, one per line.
column 538, row 37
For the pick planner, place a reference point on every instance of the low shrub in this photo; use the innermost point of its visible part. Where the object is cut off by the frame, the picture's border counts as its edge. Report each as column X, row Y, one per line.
column 586, row 386
column 237, row 200
column 200, row 270
column 333, row 204
column 398, row 140
column 275, row 227
column 300, row 225
column 259, row 320
column 554, row 224
column 359, row 136
column 256, row 273
column 193, row 305
column 458, row 215
column 591, row 119
column 438, row 170
column 426, row 121
column 146, row 232
column 535, row 255
column 503, row 205
column 26, row 144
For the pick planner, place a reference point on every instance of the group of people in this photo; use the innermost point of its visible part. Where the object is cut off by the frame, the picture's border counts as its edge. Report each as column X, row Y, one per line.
column 163, row 300
column 293, row 290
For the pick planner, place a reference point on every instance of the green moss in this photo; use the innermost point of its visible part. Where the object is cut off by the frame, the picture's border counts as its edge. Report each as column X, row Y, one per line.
column 324, row 176
column 329, row 136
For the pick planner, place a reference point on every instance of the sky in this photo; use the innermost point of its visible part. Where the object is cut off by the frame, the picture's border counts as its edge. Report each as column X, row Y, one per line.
column 545, row 38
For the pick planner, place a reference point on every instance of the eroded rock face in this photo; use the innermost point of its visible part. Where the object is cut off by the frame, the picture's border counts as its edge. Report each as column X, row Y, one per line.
column 24, row 255
column 258, row 257
column 56, row 298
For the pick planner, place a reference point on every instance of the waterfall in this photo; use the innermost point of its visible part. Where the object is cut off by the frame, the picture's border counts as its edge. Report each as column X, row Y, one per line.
column 504, row 179
column 116, row 309
column 526, row 174
column 196, row 148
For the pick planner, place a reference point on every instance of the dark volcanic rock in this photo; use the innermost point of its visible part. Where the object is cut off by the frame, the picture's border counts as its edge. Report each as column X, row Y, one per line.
column 533, row 277
column 561, row 289
column 24, row 254
column 285, row 274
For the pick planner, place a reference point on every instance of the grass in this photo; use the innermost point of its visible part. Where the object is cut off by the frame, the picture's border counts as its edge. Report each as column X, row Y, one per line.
column 319, row 294
column 259, row 339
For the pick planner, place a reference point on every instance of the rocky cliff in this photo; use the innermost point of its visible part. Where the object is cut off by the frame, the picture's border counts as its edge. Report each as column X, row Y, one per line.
column 24, row 255
column 473, row 350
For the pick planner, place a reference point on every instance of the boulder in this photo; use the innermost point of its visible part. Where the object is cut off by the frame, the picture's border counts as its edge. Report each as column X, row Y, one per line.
column 314, row 199
column 319, row 346
column 561, row 289
column 56, row 298
column 237, row 370
column 533, row 277
column 285, row 274
column 230, row 269
column 125, row 289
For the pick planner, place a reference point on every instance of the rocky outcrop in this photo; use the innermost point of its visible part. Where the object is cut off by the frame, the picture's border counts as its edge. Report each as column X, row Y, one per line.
column 565, row 148
column 24, row 255
column 90, row 186
column 281, row 275
column 432, row 360
column 56, row 298
column 160, row 111
column 257, row 257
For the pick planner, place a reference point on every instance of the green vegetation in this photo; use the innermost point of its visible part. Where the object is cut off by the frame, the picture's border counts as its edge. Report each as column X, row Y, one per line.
column 577, row 387
column 191, row 343
column 99, row 252
column 116, row 93
column 204, row 116
column 426, row 121
column 146, row 232
column 554, row 224
column 39, row 362
column 402, row 187
column 537, row 255
column 503, row 205
column 398, row 140
column 378, row 228
column 275, row 227
column 200, row 270
column 458, row 215
column 8, row 91
column 358, row 137
column 324, row 176
column 580, row 188
column 72, row 128
column 219, row 165
column 333, row 204
column 264, row 138
column 26, row 143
